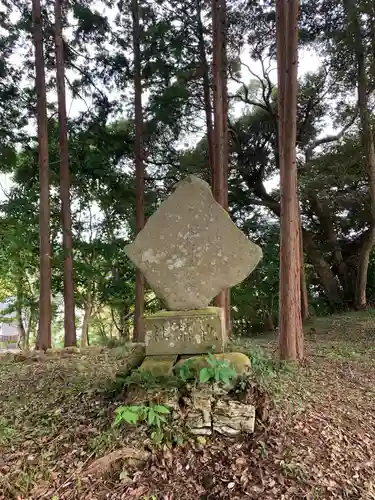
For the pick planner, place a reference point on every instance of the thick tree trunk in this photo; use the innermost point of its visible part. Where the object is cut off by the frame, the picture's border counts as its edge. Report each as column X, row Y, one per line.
column 138, row 335
column 45, row 310
column 219, row 71
column 323, row 270
column 66, row 217
column 206, row 91
column 354, row 24
column 368, row 142
column 290, row 322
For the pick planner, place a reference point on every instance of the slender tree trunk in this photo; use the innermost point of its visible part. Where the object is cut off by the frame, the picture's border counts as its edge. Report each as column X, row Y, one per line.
column 45, row 309
column 21, row 329
column 66, row 217
column 304, row 294
column 86, row 318
column 219, row 71
column 368, row 143
column 138, row 335
column 327, row 224
column 29, row 329
column 206, row 92
column 290, row 322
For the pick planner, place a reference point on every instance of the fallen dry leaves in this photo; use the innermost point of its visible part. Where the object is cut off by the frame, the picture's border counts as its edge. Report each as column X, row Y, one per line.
column 318, row 444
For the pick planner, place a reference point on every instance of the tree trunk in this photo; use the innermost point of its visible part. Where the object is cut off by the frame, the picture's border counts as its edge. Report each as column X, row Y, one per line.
column 21, row 328
column 206, row 92
column 86, row 318
column 30, row 326
column 304, row 293
column 45, row 309
column 327, row 224
column 290, row 322
column 66, row 218
column 138, row 334
column 368, row 143
column 303, row 284
column 219, row 71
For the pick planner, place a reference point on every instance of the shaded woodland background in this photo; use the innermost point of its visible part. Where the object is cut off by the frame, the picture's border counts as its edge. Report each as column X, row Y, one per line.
column 337, row 191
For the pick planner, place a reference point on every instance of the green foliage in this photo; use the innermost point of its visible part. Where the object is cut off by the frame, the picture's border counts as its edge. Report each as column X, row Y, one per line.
column 142, row 380
column 263, row 366
column 219, row 371
column 185, row 371
column 7, row 432
column 154, row 416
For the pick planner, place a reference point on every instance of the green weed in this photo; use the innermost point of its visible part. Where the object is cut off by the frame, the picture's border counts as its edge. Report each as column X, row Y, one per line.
column 219, row 371
column 7, row 433
column 154, row 416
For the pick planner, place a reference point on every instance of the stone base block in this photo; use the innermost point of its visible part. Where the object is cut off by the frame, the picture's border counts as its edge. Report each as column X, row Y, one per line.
column 237, row 360
column 231, row 418
column 185, row 332
column 158, row 365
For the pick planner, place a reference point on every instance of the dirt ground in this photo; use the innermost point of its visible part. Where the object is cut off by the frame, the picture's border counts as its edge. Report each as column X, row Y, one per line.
column 319, row 442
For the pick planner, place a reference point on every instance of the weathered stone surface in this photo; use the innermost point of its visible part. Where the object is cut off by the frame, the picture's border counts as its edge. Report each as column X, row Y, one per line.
column 190, row 250
column 239, row 361
column 185, row 332
column 158, row 365
column 231, row 418
column 199, row 413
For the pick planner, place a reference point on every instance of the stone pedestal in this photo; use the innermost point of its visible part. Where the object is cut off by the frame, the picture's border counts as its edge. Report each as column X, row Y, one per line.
column 185, row 332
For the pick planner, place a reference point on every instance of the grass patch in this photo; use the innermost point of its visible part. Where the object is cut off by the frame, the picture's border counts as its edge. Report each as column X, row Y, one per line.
column 7, row 432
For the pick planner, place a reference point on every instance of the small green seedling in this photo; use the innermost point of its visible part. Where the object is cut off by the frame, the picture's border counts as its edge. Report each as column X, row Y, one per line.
column 219, row 371
column 153, row 415
column 185, row 371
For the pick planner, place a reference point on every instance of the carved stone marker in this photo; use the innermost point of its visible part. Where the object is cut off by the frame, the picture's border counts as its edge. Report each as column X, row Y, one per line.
column 185, row 332
column 190, row 250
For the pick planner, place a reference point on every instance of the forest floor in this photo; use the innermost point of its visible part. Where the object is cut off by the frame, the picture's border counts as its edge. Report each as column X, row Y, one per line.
column 319, row 442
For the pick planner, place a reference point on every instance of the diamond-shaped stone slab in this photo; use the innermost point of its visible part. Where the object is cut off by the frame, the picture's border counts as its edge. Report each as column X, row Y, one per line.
column 190, row 250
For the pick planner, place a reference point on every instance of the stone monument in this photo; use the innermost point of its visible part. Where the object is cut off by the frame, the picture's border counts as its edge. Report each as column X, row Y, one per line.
column 189, row 251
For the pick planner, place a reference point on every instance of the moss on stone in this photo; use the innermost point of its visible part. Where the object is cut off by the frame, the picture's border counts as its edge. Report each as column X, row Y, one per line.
column 207, row 311
column 239, row 361
column 158, row 365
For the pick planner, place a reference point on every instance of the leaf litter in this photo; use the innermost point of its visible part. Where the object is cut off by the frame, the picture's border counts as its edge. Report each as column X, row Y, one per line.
column 318, row 442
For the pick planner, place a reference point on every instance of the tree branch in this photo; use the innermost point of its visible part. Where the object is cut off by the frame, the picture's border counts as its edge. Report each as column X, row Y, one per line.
column 330, row 138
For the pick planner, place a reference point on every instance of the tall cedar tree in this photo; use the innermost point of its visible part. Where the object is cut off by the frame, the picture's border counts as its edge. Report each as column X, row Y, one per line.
column 66, row 217
column 220, row 156
column 45, row 310
column 139, row 169
column 290, row 322
column 206, row 91
column 355, row 29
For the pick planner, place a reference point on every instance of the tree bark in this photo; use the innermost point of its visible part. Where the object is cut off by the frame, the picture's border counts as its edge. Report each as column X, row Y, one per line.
column 206, row 92
column 86, row 318
column 327, row 224
column 138, row 335
column 304, row 293
column 220, row 170
column 45, row 309
column 354, row 23
column 66, row 217
column 290, row 322
column 21, row 328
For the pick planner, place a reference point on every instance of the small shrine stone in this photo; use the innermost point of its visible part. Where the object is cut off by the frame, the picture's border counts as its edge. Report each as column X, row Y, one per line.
column 190, row 250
